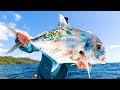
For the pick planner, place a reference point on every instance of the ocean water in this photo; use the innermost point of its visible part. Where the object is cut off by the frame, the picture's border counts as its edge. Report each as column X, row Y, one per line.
column 18, row 71
column 101, row 71
column 25, row 71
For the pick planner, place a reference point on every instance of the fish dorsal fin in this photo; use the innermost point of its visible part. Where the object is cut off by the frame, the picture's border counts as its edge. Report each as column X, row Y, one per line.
column 63, row 24
column 62, row 21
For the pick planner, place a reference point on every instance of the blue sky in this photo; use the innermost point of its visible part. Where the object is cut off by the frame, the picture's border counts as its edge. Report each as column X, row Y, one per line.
column 105, row 24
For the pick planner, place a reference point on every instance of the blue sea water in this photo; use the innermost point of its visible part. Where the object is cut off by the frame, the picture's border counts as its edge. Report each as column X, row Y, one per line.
column 25, row 71
column 18, row 71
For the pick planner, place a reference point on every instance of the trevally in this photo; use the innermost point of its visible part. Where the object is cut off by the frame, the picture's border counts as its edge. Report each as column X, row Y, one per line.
column 66, row 44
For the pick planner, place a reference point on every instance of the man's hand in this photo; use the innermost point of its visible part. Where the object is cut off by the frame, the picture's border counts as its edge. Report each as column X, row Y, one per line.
column 81, row 65
column 24, row 38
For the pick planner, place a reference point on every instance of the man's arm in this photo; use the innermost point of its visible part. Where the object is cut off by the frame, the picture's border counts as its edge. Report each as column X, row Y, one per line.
column 27, row 46
column 45, row 67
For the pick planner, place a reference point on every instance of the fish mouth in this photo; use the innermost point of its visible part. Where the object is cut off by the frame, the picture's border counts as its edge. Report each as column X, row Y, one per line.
column 102, row 59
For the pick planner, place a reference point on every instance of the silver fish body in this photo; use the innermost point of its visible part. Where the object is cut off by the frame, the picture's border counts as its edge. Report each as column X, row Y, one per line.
column 68, row 45
column 64, row 45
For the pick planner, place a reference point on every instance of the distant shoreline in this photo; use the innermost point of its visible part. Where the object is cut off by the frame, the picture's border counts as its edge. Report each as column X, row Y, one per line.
column 12, row 60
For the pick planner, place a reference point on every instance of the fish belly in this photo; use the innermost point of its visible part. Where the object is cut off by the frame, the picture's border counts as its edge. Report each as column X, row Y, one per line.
column 57, row 51
column 64, row 50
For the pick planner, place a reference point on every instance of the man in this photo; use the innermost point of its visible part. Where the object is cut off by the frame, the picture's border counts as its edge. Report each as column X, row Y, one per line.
column 46, row 63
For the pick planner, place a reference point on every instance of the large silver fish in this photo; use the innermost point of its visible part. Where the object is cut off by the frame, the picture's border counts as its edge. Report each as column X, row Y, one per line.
column 68, row 45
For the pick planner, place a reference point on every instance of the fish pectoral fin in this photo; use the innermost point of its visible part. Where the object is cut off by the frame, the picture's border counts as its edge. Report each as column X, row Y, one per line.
column 17, row 45
column 55, row 66
column 87, row 67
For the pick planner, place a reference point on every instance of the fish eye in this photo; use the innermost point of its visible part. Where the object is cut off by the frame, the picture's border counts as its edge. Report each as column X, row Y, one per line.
column 98, row 47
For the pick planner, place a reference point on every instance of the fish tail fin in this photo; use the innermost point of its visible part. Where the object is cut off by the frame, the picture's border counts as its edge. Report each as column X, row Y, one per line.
column 15, row 33
column 12, row 31
column 17, row 45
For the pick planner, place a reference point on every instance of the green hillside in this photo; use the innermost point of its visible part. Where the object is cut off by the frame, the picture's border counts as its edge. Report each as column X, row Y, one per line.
column 13, row 60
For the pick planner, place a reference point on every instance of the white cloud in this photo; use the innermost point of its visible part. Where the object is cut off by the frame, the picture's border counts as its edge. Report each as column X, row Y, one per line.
column 2, row 50
column 12, row 25
column 17, row 17
column 1, row 45
column 114, row 46
column 4, row 33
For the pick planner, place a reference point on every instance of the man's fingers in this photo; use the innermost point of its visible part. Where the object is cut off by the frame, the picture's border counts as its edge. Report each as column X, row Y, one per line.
column 25, row 45
column 27, row 40
column 24, row 38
